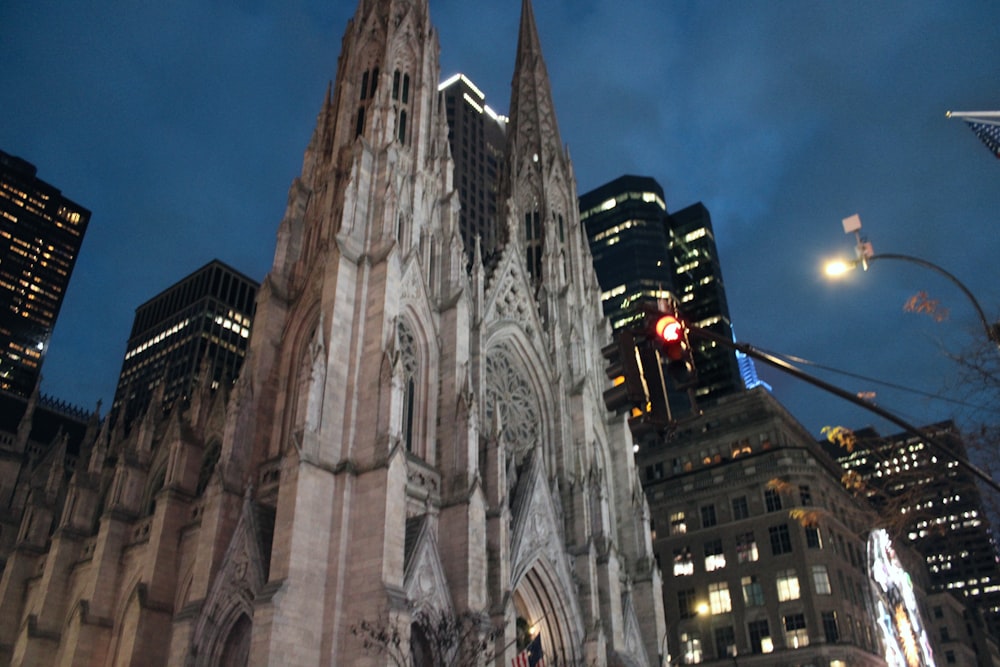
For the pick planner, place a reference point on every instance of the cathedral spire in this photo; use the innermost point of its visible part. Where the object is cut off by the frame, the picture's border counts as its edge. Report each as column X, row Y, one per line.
column 536, row 184
column 533, row 127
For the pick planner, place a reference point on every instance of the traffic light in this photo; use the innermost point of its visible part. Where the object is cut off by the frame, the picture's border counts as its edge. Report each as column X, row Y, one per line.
column 654, row 415
column 635, row 370
column 671, row 336
column 627, row 386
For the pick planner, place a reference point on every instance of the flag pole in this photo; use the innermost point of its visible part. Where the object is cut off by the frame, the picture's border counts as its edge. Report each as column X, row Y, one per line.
column 972, row 114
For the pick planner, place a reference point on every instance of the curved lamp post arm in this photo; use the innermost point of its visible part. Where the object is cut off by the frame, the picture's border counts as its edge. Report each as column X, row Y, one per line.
column 991, row 330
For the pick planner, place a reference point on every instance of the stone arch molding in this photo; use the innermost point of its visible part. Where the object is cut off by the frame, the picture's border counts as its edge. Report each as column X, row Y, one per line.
column 511, row 296
column 633, row 654
column 232, row 593
column 423, row 579
column 537, row 537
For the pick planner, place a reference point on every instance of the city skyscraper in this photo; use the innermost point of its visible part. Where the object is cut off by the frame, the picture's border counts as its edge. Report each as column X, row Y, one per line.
column 40, row 236
column 199, row 325
column 629, row 243
column 642, row 254
column 477, row 138
column 410, row 438
column 933, row 504
column 702, row 295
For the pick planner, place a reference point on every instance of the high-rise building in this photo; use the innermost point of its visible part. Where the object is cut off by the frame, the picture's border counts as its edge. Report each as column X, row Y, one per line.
column 477, row 138
column 199, row 325
column 630, row 245
column 702, row 295
column 935, row 505
column 766, row 554
column 408, row 440
column 642, row 254
column 40, row 236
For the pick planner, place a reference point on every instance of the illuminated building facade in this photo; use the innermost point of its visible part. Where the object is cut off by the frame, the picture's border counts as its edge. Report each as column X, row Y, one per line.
column 476, row 135
column 641, row 254
column 761, row 547
column 702, row 295
column 935, row 505
column 629, row 243
column 40, row 236
column 204, row 319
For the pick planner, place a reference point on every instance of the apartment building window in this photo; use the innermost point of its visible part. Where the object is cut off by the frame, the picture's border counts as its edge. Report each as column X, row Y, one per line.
column 753, row 592
column 740, row 508
column 683, row 562
column 760, row 637
column 686, row 604
column 788, row 585
column 830, row 628
column 796, row 635
column 805, row 495
column 708, row 516
column 772, row 500
column 714, row 558
column 781, row 540
column 746, row 548
column 821, row 580
column 691, row 653
column 718, row 598
column 813, row 538
column 725, row 641
column 678, row 526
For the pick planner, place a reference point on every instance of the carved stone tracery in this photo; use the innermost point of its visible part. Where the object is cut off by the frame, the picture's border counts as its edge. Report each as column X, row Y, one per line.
column 510, row 393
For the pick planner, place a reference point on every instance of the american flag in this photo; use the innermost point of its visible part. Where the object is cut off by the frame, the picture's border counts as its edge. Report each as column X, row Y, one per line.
column 531, row 656
column 988, row 132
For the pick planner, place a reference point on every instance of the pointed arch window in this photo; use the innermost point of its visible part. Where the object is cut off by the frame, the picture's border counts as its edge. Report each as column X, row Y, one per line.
column 153, row 488
column 236, row 650
column 401, row 95
column 410, row 369
column 369, row 82
column 402, row 126
column 533, row 244
column 409, row 396
column 208, row 462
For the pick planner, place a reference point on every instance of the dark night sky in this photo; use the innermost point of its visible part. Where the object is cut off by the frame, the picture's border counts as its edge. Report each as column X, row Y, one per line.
column 181, row 125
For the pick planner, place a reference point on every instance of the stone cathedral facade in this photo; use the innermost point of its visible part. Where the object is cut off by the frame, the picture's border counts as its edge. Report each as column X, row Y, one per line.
column 406, row 435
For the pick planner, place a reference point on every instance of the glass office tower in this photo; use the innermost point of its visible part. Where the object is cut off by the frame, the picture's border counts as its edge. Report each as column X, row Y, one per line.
column 40, row 236
column 198, row 325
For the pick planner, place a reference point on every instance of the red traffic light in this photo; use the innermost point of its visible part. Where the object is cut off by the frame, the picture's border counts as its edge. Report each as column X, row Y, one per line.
column 669, row 329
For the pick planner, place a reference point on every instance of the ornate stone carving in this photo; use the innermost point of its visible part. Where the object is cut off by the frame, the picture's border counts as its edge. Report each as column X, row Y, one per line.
column 511, row 397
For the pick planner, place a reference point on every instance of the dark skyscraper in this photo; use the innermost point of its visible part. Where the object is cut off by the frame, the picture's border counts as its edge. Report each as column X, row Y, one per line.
column 641, row 254
column 629, row 242
column 702, row 294
column 476, row 135
column 40, row 236
column 203, row 319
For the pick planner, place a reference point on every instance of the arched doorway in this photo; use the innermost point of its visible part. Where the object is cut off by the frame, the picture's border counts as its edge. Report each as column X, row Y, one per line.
column 542, row 607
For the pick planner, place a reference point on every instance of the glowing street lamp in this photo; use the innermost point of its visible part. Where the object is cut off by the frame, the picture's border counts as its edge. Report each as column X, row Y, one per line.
column 866, row 256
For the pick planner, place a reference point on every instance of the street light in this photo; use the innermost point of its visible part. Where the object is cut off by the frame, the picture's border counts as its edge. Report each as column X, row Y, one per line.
column 866, row 256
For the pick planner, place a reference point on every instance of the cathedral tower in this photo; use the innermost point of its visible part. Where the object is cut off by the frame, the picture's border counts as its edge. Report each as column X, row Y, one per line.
column 406, row 437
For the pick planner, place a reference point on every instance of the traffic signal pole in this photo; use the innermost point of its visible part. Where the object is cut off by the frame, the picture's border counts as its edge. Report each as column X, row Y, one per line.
column 786, row 367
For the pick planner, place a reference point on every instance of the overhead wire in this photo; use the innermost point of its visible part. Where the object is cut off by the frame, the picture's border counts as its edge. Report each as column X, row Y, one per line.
column 885, row 383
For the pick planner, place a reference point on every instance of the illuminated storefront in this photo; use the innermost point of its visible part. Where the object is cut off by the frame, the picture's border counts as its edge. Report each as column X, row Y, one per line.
column 894, row 606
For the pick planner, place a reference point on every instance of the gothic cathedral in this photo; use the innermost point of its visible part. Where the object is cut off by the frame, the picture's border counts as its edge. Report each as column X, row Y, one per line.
column 408, row 434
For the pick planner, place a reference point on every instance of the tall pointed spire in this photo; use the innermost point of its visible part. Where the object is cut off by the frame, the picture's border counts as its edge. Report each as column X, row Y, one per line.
column 536, row 185
column 533, row 126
